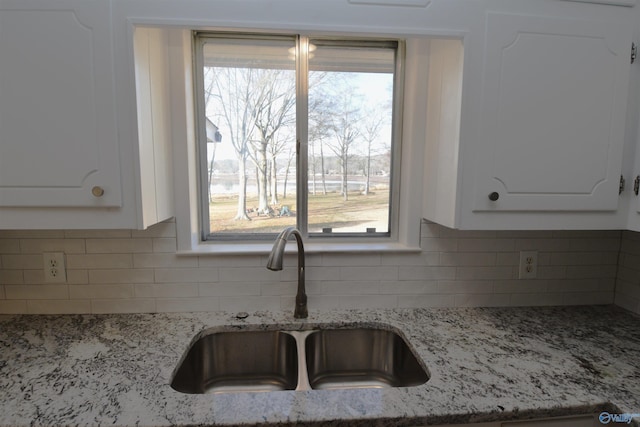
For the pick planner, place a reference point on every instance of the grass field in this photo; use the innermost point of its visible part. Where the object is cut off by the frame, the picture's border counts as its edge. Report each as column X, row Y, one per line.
column 355, row 215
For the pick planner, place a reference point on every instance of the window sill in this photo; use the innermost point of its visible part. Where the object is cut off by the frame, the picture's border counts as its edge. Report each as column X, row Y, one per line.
column 264, row 248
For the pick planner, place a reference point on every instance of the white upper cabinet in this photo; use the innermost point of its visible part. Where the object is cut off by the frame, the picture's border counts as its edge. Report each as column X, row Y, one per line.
column 543, row 120
column 71, row 152
column 58, row 135
column 553, row 114
column 633, row 128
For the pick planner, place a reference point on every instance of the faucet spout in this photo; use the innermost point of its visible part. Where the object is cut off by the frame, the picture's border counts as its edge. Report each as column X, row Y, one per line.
column 275, row 263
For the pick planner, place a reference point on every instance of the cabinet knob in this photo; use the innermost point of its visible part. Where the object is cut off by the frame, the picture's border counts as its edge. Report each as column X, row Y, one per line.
column 97, row 191
column 494, row 196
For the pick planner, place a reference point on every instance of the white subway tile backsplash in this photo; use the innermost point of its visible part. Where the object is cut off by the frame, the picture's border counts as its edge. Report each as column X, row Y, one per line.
column 112, row 271
column 426, row 273
column 350, row 260
column 467, row 287
column 486, row 245
column 509, row 258
column 22, row 262
column 88, row 292
column 468, row 258
column 166, row 290
column 536, row 299
column 591, row 271
column 58, row 306
column 369, row 273
column 234, row 261
column 176, row 305
column 551, row 272
column 484, row 273
column 288, row 288
column 133, row 305
column 97, row 234
column 118, row 246
column 126, row 275
column 186, row 275
column 595, row 244
column 99, row 261
column 36, row 277
column 9, row 246
column 33, row 234
column 423, row 258
column 163, row 261
column 515, row 286
column 236, row 274
column 13, row 306
column 229, row 289
column 544, row 244
column 29, row 292
column 431, row 244
column 432, row 300
column 322, row 273
column 573, row 285
column 11, row 277
column 588, row 298
column 481, row 300
column 327, row 302
column 164, row 245
column 249, row 303
column 38, row 246
column 350, row 288
column 415, row 287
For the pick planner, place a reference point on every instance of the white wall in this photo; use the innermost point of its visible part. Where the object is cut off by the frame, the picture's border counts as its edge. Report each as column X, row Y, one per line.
column 137, row 271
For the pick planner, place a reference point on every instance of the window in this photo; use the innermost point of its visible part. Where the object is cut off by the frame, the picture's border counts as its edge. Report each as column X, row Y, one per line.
column 297, row 131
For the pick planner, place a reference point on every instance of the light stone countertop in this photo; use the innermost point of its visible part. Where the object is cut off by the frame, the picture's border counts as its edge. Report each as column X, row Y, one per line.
column 486, row 364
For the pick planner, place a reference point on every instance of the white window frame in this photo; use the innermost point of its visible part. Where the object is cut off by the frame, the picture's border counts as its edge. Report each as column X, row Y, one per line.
column 406, row 238
column 302, row 89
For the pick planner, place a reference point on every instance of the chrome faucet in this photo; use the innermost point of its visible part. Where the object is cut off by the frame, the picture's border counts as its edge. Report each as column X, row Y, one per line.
column 275, row 263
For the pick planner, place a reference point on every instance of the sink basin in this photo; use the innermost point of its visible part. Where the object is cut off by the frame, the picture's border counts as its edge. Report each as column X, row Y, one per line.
column 239, row 361
column 254, row 361
column 361, row 358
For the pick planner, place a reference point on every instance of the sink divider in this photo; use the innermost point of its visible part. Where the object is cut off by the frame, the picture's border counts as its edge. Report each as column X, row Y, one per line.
column 303, row 376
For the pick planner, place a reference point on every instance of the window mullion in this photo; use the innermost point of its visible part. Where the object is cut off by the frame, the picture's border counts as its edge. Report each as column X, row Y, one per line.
column 302, row 131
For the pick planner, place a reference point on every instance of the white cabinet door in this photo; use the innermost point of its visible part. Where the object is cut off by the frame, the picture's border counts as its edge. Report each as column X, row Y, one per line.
column 553, row 114
column 58, row 136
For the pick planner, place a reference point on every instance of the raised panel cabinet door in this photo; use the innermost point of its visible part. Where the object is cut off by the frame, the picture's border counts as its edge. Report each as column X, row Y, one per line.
column 553, row 116
column 58, row 136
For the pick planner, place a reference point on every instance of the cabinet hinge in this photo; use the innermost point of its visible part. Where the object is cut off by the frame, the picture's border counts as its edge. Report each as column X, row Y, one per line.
column 636, row 185
column 621, row 188
column 634, row 52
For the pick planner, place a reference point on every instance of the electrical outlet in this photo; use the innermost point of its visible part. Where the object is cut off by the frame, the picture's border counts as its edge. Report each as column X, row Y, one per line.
column 528, row 265
column 54, row 268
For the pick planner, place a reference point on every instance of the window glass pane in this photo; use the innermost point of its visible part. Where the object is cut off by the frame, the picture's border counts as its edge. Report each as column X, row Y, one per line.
column 249, row 98
column 350, row 137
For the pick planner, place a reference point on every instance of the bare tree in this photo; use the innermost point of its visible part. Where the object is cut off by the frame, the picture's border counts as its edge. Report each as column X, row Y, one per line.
column 343, row 123
column 231, row 100
column 272, row 108
column 374, row 120
column 320, row 108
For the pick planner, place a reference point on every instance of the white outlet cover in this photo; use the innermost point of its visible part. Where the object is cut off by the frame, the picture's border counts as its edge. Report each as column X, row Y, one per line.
column 54, row 267
column 528, row 268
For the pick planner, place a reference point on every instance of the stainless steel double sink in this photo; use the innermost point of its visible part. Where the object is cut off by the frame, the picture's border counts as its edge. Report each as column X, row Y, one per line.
column 255, row 361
